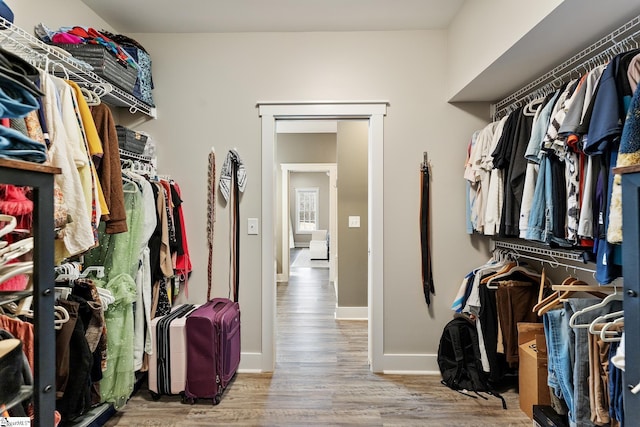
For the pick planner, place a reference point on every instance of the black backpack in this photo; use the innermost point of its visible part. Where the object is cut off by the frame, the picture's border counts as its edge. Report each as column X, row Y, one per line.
column 459, row 360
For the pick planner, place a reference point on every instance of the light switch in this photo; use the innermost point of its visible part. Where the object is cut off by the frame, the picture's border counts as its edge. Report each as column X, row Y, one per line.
column 252, row 226
column 354, row 222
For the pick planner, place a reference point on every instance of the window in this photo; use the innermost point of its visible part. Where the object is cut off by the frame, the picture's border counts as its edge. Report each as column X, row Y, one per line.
column 306, row 210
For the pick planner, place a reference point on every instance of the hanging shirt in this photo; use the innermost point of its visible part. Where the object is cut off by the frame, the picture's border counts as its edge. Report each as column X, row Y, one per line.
column 79, row 236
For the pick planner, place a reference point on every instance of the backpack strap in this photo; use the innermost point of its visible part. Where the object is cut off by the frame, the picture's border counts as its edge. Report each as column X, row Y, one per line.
column 458, row 351
column 474, row 374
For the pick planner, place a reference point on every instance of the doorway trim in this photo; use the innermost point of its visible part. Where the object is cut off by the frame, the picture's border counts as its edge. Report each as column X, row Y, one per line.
column 332, row 169
column 374, row 112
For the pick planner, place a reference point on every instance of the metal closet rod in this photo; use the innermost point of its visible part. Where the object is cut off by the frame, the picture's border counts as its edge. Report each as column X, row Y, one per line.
column 584, row 60
column 553, row 256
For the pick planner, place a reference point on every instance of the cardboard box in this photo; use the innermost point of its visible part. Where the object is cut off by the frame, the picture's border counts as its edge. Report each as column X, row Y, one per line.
column 532, row 375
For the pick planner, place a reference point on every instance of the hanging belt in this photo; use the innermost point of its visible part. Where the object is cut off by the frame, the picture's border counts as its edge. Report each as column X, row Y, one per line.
column 211, row 217
column 427, row 275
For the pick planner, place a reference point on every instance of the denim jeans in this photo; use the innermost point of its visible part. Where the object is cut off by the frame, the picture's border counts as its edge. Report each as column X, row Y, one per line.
column 581, row 413
column 15, row 145
column 559, row 355
column 538, row 225
column 616, row 392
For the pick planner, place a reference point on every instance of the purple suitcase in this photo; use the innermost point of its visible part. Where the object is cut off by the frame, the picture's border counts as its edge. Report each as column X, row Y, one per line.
column 213, row 349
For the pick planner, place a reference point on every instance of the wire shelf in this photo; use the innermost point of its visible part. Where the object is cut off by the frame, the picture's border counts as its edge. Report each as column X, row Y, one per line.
column 553, row 256
column 61, row 63
column 599, row 51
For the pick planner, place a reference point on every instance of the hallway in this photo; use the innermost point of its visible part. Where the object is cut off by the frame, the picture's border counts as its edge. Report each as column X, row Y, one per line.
column 322, row 378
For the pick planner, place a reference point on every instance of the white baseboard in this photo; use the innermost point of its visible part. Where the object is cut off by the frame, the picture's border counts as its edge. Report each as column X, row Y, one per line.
column 281, row 278
column 250, row 363
column 411, row 364
column 352, row 313
column 394, row 364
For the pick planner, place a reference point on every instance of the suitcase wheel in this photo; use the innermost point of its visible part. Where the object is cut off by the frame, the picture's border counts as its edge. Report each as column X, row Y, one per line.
column 189, row 400
column 155, row 396
column 216, row 399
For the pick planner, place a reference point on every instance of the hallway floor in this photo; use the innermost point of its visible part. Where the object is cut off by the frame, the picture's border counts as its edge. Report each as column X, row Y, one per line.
column 322, row 378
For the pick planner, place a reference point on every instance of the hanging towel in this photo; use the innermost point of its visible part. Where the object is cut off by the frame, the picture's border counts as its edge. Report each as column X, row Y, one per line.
column 225, row 174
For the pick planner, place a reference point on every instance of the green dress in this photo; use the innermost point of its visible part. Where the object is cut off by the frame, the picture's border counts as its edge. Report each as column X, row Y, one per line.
column 119, row 254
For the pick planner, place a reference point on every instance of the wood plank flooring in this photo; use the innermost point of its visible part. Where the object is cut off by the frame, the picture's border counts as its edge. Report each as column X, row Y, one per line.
column 322, row 379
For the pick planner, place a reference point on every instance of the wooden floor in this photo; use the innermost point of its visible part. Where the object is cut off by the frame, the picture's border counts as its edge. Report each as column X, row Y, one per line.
column 322, row 379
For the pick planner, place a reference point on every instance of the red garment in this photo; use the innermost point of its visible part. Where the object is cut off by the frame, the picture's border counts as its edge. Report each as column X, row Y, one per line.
column 183, row 262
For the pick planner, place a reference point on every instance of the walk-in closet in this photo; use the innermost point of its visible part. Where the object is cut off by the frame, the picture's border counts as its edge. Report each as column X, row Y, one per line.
column 482, row 190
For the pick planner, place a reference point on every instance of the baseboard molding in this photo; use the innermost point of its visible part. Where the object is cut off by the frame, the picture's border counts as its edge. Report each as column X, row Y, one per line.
column 281, row 278
column 352, row 313
column 250, row 363
column 394, row 364
column 302, row 245
column 411, row 364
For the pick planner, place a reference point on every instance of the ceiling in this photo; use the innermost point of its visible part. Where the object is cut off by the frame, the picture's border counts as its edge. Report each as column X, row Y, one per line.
column 211, row 16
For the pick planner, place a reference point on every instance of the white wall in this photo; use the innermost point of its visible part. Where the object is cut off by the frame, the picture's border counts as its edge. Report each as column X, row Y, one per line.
column 484, row 30
column 499, row 46
column 54, row 14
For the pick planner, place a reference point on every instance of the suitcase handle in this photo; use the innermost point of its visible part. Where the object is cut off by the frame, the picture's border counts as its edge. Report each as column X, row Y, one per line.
column 217, row 302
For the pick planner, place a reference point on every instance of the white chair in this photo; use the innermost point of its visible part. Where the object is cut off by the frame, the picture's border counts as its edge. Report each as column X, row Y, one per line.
column 319, row 246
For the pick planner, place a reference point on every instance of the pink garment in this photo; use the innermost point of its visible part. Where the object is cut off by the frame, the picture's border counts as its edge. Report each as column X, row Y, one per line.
column 66, row 38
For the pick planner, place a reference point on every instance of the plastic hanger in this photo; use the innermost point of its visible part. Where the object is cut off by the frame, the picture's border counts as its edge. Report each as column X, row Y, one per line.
column 595, row 327
column 607, row 335
column 61, row 316
column 15, row 250
column 609, row 298
column 515, row 269
column 10, row 226
column 90, row 97
column 14, row 269
column 98, row 269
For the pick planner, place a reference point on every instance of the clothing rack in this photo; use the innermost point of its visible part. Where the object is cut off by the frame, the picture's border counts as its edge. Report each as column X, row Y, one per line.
column 552, row 256
column 58, row 62
column 600, row 52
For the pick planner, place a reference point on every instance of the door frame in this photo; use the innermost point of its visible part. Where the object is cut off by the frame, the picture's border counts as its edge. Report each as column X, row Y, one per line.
column 332, row 169
column 374, row 112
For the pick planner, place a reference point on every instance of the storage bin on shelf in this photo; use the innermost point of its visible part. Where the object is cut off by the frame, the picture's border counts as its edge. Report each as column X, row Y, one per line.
column 104, row 64
column 131, row 140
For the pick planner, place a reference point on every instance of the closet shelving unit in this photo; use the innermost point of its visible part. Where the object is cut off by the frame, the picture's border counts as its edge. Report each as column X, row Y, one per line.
column 623, row 38
column 40, row 179
column 61, row 63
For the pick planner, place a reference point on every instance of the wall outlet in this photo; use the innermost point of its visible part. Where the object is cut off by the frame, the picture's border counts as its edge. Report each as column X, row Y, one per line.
column 354, row 222
column 252, row 226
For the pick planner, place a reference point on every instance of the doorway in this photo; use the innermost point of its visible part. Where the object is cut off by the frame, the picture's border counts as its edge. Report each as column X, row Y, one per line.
column 286, row 226
column 374, row 112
